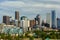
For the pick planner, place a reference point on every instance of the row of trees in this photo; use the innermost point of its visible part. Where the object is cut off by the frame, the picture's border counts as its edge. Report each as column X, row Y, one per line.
column 36, row 34
column 48, row 34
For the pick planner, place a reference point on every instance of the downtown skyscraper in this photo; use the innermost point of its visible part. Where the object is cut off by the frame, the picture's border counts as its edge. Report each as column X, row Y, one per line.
column 17, row 15
column 54, row 20
column 51, row 19
column 17, row 21
column 37, row 20
column 58, row 23
column 6, row 20
column 25, row 23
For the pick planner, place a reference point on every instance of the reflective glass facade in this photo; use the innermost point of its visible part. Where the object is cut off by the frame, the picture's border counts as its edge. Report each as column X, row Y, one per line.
column 58, row 23
column 53, row 16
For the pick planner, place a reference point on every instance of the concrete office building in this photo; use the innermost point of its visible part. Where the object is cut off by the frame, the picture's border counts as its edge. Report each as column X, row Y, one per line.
column 37, row 20
column 51, row 19
column 48, row 19
column 12, row 22
column 16, row 15
column 17, row 18
column 18, row 23
column 25, row 23
column 32, row 23
column 6, row 20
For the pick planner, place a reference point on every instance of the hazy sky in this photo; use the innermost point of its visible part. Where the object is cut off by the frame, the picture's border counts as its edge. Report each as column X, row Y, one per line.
column 29, row 8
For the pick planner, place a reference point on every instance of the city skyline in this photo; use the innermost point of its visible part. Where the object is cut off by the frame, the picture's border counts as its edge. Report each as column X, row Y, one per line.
column 29, row 19
column 29, row 8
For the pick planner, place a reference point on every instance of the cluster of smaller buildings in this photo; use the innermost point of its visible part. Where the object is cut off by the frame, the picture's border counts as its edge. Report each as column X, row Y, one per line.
column 23, row 24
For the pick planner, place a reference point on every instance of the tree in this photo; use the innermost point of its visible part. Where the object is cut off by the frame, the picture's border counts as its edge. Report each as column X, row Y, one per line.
column 31, row 38
column 53, row 35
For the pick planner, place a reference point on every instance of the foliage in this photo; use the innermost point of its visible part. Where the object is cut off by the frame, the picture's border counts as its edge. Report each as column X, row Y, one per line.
column 31, row 38
column 38, row 33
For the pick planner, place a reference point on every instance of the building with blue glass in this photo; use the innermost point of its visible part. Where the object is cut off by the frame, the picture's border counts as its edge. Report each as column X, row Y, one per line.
column 53, row 19
column 58, row 23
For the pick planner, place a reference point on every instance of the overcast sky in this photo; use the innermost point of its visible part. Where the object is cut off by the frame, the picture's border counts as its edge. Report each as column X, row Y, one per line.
column 29, row 8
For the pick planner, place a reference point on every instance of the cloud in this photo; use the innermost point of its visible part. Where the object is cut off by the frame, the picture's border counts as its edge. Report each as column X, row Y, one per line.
column 28, row 8
column 47, row 0
column 5, row 12
column 33, row 0
column 53, row 0
column 12, row 4
column 18, row 4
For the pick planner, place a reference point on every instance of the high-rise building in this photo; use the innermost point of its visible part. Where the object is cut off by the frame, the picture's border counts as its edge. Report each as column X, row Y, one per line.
column 6, row 20
column 58, row 23
column 32, row 23
column 37, row 20
column 12, row 22
column 54, row 21
column 17, row 18
column 48, row 19
column 51, row 19
column 17, row 15
column 18, row 23
column 25, row 23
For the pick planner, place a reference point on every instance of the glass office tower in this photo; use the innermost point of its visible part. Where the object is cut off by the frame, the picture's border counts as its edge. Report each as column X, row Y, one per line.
column 58, row 23
column 53, row 19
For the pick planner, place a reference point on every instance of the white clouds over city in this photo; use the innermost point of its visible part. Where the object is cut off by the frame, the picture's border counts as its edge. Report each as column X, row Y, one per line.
column 28, row 7
column 18, row 4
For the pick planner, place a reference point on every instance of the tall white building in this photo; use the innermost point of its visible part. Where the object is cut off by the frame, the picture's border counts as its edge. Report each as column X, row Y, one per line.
column 48, row 19
column 25, row 23
column 51, row 19
column 16, row 23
